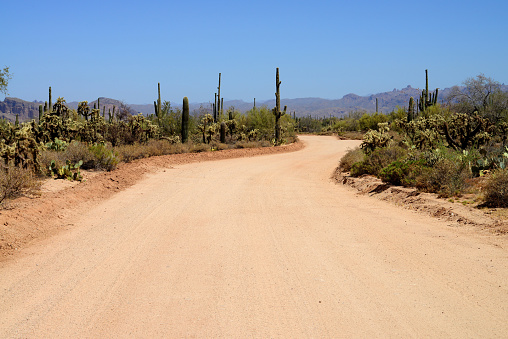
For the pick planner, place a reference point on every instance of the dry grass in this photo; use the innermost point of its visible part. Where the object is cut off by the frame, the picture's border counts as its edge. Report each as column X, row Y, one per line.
column 16, row 182
column 496, row 189
column 350, row 135
column 352, row 156
column 252, row 144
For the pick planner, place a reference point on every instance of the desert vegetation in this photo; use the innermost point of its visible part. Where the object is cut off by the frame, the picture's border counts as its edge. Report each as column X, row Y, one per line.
column 455, row 148
column 62, row 141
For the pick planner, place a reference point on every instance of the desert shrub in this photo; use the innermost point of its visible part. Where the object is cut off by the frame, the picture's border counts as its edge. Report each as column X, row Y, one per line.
column 377, row 160
column 128, row 153
column 496, row 189
column 402, row 172
column 359, row 168
column 47, row 156
column 218, row 146
column 77, row 151
column 351, row 156
column 74, row 152
column 395, row 172
column 382, row 157
column 448, row 177
column 15, row 182
column 371, row 121
column 198, row 148
column 253, row 144
column 350, row 135
column 104, row 157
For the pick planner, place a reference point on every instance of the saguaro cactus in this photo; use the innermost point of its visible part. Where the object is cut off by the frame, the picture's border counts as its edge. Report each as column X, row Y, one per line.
column 410, row 110
column 185, row 120
column 276, row 110
column 427, row 99
column 41, row 112
column 219, row 110
column 158, row 105
column 223, row 132
column 215, row 108
column 50, row 105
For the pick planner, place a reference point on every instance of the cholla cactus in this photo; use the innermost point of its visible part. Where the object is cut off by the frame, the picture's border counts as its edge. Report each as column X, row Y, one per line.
column 207, row 129
column 464, row 130
column 253, row 134
column 60, row 109
column 19, row 148
column 422, row 133
column 376, row 139
column 84, row 109
column 232, row 125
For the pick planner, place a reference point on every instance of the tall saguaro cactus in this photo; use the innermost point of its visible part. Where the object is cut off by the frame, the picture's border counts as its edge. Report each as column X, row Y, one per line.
column 410, row 110
column 157, row 104
column 219, row 110
column 50, row 108
column 427, row 99
column 215, row 108
column 41, row 112
column 185, row 120
column 276, row 111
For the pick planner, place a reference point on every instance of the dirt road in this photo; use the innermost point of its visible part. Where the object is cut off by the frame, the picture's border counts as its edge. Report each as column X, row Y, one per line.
column 256, row 247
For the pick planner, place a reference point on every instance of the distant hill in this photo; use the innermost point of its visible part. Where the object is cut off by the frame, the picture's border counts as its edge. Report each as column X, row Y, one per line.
column 25, row 109
column 317, row 107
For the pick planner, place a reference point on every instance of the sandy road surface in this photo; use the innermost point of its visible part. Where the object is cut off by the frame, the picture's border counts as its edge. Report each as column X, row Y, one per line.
column 256, row 247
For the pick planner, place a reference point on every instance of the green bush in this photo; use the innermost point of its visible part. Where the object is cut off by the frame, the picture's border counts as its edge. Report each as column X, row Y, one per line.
column 104, row 157
column 403, row 173
column 448, row 177
column 352, row 156
column 394, row 173
column 359, row 168
column 382, row 157
column 374, row 162
column 496, row 189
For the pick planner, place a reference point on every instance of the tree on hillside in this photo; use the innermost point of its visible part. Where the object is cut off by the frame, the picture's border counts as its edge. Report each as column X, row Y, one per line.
column 124, row 112
column 480, row 94
column 5, row 76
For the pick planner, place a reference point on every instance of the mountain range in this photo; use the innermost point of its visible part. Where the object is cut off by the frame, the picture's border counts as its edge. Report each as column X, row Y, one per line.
column 316, row 107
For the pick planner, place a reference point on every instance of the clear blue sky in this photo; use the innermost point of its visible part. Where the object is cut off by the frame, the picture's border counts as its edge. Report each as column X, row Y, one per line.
column 121, row 49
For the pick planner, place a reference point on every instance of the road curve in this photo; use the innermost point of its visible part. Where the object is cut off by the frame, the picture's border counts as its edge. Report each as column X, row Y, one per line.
column 256, row 247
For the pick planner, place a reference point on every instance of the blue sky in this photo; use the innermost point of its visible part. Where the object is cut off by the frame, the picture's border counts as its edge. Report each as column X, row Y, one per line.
column 121, row 49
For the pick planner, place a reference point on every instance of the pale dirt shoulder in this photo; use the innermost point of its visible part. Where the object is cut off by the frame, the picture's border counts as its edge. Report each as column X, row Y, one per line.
column 457, row 211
